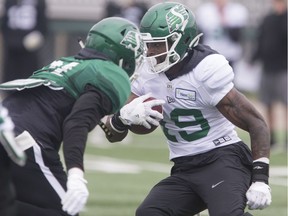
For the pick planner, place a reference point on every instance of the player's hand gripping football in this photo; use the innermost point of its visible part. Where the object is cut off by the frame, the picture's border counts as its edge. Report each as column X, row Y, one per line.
column 77, row 193
column 140, row 112
column 258, row 196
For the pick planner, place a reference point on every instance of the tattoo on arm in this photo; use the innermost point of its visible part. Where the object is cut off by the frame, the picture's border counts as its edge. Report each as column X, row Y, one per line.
column 238, row 109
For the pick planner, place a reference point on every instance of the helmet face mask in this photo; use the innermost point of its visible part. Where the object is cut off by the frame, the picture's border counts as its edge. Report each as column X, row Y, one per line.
column 118, row 39
column 174, row 24
column 168, row 58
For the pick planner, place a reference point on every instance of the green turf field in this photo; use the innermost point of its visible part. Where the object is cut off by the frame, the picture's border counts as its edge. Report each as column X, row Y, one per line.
column 120, row 175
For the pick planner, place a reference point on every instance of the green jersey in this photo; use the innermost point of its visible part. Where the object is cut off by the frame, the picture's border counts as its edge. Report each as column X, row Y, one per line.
column 73, row 75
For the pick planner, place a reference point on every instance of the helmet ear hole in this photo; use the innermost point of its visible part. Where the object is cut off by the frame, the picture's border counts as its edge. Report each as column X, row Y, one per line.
column 174, row 57
column 123, row 32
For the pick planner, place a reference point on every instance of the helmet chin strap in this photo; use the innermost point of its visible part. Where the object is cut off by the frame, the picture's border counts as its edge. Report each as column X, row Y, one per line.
column 152, row 62
column 159, row 67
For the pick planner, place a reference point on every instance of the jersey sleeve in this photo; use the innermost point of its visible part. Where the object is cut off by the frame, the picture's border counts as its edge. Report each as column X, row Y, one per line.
column 216, row 78
column 86, row 113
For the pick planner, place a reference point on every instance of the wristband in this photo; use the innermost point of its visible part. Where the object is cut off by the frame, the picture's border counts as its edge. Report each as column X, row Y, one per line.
column 260, row 172
column 105, row 129
column 118, row 124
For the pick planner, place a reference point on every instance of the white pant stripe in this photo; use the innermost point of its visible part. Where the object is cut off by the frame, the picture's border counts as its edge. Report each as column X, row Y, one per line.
column 47, row 172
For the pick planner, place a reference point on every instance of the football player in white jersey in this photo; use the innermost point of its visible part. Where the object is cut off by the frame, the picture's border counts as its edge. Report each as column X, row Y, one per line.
column 213, row 169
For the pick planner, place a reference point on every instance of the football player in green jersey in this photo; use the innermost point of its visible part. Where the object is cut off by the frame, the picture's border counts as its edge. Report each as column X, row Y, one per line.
column 61, row 103
column 213, row 168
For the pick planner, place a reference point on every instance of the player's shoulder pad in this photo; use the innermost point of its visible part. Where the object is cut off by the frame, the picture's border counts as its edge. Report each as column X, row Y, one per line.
column 214, row 71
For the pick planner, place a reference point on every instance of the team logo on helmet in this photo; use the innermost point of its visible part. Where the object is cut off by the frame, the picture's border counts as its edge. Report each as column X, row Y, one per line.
column 177, row 18
column 133, row 41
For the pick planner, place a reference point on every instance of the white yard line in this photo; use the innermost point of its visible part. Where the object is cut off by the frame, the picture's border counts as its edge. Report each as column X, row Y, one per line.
column 113, row 165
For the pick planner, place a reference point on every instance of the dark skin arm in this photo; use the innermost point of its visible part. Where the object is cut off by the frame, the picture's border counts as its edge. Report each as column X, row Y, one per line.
column 238, row 109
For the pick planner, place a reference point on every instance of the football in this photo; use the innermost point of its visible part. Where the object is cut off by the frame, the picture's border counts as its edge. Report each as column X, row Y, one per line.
column 139, row 129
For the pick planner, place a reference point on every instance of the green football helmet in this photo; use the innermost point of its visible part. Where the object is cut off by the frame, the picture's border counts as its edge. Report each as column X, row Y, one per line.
column 118, row 39
column 175, row 25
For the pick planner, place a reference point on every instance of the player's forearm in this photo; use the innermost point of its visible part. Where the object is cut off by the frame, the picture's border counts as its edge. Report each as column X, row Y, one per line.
column 260, row 138
column 237, row 109
column 253, row 122
column 75, row 133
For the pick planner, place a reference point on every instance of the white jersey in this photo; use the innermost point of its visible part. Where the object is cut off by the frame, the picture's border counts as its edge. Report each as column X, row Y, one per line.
column 192, row 123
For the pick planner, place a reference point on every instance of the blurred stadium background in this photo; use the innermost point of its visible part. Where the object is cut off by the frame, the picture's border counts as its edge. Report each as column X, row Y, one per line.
column 120, row 175
column 69, row 19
